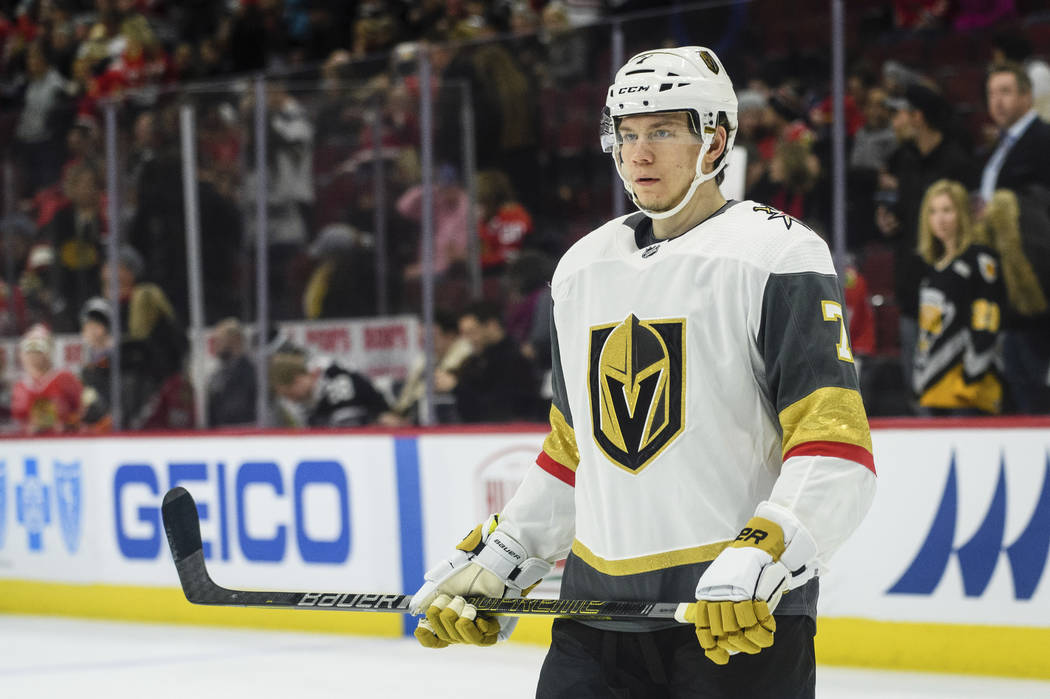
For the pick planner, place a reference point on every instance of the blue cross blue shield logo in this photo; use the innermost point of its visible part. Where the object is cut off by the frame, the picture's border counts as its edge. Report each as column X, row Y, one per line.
column 33, row 510
column 68, row 503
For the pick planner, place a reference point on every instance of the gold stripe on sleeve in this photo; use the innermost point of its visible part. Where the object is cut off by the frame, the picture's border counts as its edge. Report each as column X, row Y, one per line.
column 646, row 564
column 828, row 414
column 560, row 443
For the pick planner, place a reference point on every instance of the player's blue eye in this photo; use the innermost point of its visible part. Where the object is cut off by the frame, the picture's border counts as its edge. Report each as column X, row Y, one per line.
column 628, row 137
column 661, row 134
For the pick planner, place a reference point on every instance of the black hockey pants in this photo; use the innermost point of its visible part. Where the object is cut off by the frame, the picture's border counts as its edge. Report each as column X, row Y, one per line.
column 587, row 663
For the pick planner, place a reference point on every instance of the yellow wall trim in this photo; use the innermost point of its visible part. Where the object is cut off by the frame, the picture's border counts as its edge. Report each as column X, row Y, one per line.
column 1014, row 651
column 169, row 606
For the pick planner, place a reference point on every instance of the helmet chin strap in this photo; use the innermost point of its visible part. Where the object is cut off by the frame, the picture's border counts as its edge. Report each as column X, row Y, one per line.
column 698, row 179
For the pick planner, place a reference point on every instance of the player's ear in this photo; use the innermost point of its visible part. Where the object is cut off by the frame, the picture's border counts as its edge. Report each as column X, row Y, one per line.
column 718, row 145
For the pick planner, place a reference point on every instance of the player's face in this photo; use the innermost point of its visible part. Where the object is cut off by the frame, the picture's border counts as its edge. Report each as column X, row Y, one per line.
column 944, row 219
column 658, row 153
column 1006, row 102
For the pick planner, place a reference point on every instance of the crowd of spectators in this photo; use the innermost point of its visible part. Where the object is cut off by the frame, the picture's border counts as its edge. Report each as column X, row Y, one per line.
column 923, row 104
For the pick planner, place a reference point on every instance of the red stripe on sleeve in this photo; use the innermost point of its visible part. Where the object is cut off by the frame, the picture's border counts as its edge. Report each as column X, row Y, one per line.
column 837, row 449
column 563, row 474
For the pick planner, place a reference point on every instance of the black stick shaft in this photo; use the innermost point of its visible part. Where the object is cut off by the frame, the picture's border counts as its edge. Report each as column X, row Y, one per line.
column 182, row 526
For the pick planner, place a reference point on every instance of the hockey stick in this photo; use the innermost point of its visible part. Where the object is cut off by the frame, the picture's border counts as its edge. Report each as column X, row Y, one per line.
column 183, row 529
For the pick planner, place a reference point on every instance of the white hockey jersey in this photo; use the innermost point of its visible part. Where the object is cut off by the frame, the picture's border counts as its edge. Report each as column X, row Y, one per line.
column 694, row 378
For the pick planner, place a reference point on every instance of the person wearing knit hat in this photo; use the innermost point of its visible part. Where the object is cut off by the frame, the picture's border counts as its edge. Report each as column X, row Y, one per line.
column 97, row 309
column 45, row 399
column 129, row 258
column 37, row 340
column 95, row 327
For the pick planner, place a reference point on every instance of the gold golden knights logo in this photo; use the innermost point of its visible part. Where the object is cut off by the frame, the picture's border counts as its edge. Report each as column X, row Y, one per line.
column 637, row 388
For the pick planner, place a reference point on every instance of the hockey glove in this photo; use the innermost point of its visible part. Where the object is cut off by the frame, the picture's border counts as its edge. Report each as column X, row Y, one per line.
column 743, row 585
column 488, row 562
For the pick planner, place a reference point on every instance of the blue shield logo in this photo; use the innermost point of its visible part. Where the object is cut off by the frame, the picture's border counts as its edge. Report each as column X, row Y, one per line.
column 32, row 505
column 3, row 501
column 68, row 503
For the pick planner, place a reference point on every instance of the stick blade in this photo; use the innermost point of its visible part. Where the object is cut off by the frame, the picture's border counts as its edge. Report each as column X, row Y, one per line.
column 181, row 524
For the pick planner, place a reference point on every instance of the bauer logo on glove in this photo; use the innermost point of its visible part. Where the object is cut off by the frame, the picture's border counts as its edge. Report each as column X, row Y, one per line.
column 488, row 563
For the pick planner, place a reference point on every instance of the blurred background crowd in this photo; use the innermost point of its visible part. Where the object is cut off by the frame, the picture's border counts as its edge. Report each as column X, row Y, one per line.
column 948, row 218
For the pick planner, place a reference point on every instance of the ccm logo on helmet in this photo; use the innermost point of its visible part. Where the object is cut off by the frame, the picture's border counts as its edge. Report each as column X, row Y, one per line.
column 633, row 88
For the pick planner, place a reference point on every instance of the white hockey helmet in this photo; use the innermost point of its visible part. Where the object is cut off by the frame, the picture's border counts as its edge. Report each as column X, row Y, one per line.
column 687, row 79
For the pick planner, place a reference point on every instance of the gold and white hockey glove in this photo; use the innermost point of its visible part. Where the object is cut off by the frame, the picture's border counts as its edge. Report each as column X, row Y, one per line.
column 488, row 562
column 740, row 589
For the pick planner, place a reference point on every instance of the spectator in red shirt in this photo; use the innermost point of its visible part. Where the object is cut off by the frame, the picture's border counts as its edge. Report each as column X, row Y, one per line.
column 789, row 183
column 45, row 400
column 784, row 123
column 142, row 63
column 504, row 224
column 860, row 316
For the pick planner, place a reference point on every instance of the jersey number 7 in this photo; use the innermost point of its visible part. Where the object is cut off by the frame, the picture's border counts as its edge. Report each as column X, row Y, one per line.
column 832, row 311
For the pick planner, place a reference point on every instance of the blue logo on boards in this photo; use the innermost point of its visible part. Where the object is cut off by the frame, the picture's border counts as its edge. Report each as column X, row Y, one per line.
column 68, row 503
column 978, row 557
column 32, row 505
column 34, row 500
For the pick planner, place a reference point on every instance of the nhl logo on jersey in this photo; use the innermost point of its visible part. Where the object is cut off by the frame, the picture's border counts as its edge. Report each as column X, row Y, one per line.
column 637, row 388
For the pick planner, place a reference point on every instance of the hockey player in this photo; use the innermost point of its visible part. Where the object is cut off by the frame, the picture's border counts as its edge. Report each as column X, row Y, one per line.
column 707, row 437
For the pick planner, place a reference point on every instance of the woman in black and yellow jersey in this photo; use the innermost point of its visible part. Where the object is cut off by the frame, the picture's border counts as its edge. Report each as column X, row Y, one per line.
column 960, row 297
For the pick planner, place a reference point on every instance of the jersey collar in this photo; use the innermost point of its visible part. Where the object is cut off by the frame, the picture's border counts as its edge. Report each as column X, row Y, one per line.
column 643, row 226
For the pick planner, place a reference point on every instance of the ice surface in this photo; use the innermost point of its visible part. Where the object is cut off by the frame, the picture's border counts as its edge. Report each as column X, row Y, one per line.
column 59, row 658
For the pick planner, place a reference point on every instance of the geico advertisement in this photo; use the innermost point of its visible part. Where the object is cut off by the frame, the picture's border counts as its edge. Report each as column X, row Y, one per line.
column 958, row 532
column 276, row 512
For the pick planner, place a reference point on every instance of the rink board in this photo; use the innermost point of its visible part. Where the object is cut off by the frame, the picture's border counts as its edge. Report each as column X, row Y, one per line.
column 947, row 573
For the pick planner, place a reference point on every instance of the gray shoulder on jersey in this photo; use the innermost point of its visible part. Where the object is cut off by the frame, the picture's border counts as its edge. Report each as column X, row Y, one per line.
column 770, row 239
column 607, row 239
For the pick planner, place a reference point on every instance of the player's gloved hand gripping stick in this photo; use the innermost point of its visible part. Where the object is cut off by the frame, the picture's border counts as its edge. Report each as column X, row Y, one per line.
column 487, row 562
column 740, row 589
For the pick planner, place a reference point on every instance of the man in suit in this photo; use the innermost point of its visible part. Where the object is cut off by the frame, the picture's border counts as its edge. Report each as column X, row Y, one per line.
column 1019, row 158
